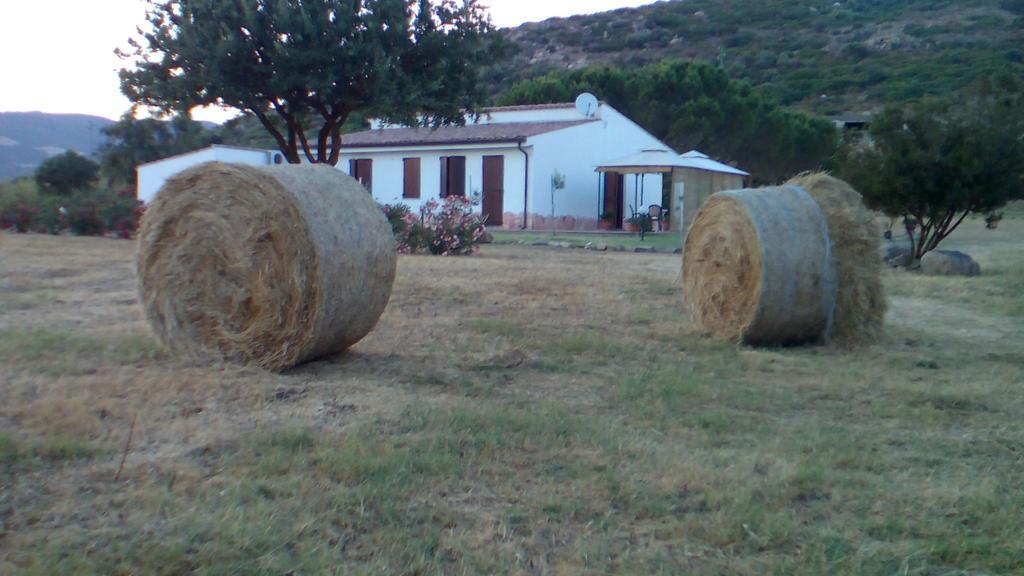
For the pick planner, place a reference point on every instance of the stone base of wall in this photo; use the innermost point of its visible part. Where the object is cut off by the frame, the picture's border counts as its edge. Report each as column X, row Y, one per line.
column 512, row 221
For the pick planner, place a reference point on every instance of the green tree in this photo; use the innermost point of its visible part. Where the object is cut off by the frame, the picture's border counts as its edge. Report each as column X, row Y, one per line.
column 66, row 173
column 132, row 141
column 692, row 105
column 304, row 67
column 934, row 164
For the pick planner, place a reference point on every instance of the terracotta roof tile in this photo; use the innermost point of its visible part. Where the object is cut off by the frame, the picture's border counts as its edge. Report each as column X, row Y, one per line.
column 469, row 134
column 522, row 107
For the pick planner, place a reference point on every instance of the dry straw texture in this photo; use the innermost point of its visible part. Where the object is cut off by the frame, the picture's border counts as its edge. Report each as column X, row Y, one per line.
column 853, row 229
column 267, row 265
column 757, row 267
column 786, row 264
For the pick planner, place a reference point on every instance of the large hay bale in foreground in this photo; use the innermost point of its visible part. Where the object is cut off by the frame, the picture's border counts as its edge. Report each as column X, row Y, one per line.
column 267, row 265
column 768, row 265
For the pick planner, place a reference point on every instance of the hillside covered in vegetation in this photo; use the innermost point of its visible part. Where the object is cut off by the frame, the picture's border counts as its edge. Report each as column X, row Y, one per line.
column 29, row 138
column 824, row 56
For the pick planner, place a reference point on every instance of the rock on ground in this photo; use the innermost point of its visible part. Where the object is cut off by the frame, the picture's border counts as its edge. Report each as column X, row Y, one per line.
column 896, row 255
column 949, row 263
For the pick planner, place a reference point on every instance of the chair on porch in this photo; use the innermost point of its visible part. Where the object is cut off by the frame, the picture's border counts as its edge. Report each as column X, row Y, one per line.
column 657, row 214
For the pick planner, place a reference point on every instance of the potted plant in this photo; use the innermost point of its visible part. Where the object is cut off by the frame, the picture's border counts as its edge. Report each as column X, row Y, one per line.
column 606, row 221
column 640, row 223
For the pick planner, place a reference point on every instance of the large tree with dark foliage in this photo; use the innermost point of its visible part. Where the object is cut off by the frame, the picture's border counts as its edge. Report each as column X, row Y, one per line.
column 302, row 67
column 133, row 141
column 936, row 163
column 66, row 173
column 692, row 105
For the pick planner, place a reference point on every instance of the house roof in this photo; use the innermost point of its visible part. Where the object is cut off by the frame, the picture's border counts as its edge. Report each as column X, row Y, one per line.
column 665, row 161
column 525, row 107
column 698, row 161
column 498, row 132
column 210, row 147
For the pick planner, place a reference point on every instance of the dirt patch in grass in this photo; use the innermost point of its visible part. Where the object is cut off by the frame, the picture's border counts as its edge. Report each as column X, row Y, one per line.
column 520, row 411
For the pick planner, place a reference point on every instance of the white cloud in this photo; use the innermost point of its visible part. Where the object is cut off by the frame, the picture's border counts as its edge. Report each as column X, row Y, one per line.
column 58, row 55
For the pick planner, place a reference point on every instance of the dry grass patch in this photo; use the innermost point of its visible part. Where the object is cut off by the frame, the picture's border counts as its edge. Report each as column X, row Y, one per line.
column 521, row 411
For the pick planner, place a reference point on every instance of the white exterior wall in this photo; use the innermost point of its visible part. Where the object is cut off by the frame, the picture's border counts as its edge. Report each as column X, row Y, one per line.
column 388, row 172
column 576, row 152
column 151, row 176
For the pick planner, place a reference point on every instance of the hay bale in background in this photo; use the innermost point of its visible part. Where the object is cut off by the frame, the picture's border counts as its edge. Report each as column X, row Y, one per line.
column 267, row 265
column 854, row 232
column 757, row 267
column 785, row 264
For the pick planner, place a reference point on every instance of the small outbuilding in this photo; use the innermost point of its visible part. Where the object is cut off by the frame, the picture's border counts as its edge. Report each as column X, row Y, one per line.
column 694, row 176
column 152, row 175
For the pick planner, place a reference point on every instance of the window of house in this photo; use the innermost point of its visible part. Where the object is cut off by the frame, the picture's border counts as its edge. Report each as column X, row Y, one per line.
column 362, row 170
column 453, row 176
column 411, row 180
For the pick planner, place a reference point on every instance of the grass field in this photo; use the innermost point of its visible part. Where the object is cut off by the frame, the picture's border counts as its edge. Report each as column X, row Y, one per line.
column 522, row 411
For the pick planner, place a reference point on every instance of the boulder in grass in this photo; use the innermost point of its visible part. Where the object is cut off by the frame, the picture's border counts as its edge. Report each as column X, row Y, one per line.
column 896, row 255
column 949, row 263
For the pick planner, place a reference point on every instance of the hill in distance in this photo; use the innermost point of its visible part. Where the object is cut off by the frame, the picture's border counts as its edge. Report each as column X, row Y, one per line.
column 29, row 138
column 823, row 56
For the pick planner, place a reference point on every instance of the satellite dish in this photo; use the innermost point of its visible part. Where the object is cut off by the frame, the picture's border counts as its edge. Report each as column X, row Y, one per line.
column 587, row 104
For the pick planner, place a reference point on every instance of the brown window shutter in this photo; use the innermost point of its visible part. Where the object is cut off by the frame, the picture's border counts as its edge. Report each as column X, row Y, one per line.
column 444, row 177
column 365, row 170
column 411, row 184
column 457, row 175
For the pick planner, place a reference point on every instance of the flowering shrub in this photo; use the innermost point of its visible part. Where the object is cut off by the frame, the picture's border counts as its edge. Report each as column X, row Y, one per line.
column 100, row 212
column 19, row 215
column 454, row 229
column 447, row 228
column 402, row 221
column 23, row 209
column 87, row 213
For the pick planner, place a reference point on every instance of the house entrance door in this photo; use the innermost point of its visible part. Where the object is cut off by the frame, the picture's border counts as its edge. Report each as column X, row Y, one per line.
column 614, row 186
column 493, row 207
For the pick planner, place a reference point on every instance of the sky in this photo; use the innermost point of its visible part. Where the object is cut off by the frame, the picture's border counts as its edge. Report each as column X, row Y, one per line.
column 58, row 55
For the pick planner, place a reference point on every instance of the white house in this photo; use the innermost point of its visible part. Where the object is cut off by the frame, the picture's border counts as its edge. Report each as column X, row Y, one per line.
column 152, row 175
column 507, row 157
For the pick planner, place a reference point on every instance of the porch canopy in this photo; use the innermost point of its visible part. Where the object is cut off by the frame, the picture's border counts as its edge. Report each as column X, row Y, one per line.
column 661, row 161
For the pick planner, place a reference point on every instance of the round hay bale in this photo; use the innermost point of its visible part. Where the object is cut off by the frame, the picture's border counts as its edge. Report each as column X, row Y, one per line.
column 785, row 265
column 854, row 232
column 272, row 265
column 757, row 267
